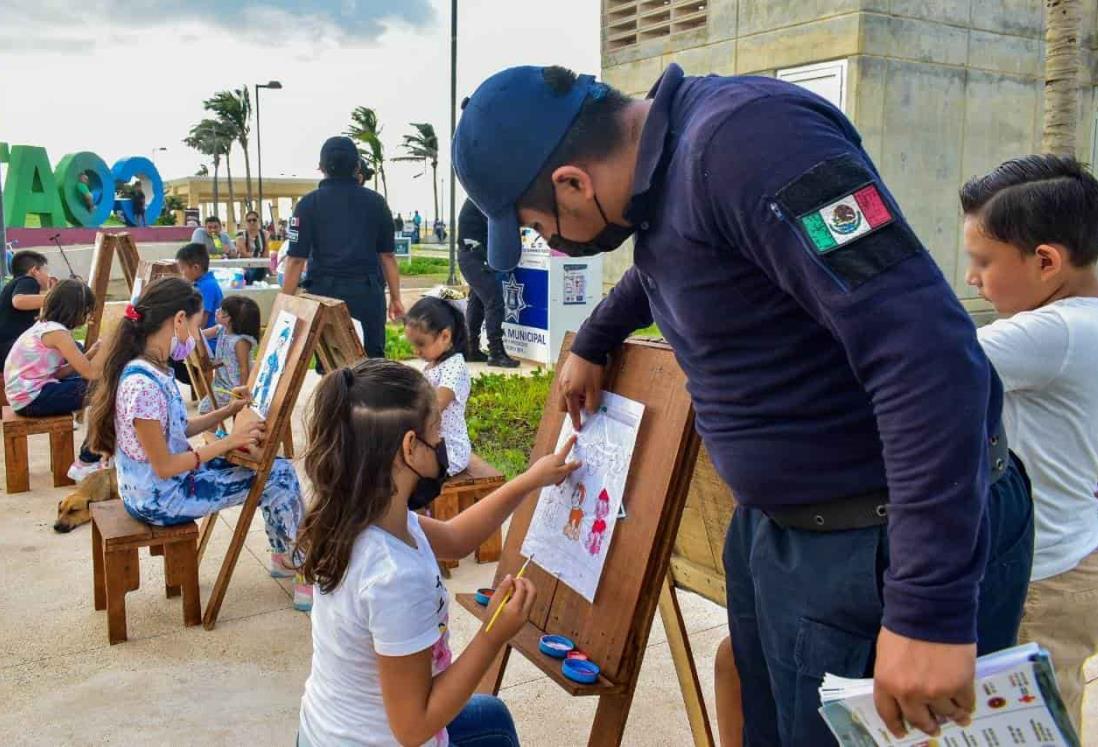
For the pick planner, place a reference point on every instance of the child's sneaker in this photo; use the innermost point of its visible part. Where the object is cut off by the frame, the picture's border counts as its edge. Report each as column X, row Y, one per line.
column 303, row 594
column 280, row 566
column 81, row 469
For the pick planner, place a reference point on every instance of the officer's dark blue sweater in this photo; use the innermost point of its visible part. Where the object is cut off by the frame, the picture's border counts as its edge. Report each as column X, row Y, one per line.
column 825, row 353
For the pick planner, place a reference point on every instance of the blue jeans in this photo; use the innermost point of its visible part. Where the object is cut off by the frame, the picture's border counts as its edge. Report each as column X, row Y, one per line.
column 59, row 398
column 483, row 722
column 804, row 603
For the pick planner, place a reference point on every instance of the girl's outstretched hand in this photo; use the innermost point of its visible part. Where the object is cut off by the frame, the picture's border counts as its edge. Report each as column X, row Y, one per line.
column 551, row 469
column 515, row 613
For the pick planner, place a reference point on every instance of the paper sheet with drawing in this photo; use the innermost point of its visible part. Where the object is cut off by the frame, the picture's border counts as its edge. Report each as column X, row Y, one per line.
column 573, row 523
column 272, row 362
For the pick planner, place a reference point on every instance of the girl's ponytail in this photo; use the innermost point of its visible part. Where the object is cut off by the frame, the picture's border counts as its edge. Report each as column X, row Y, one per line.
column 161, row 301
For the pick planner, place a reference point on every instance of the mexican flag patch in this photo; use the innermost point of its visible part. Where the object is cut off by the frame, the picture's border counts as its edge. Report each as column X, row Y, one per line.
column 846, row 219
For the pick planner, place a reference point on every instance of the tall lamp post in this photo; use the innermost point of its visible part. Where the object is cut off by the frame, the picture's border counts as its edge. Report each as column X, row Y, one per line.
column 453, row 125
column 274, row 85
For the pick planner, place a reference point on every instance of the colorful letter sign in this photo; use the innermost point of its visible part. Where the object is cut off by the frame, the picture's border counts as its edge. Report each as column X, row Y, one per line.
column 31, row 187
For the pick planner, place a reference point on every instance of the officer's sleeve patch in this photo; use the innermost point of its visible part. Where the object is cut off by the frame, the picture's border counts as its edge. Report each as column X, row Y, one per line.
column 845, row 221
column 291, row 231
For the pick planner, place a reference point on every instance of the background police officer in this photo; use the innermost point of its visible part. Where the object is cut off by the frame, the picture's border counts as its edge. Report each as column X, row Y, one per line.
column 485, row 305
column 345, row 233
column 837, row 381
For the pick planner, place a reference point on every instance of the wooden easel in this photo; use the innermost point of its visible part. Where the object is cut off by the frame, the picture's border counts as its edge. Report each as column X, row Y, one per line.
column 613, row 631
column 323, row 328
column 107, row 245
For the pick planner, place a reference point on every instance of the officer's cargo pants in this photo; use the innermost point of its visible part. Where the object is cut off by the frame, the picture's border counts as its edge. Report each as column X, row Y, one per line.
column 801, row 604
column 486, row 302
column 365, row 299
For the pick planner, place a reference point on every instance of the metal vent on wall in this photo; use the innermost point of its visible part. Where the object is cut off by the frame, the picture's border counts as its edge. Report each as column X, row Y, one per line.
column 629, row 22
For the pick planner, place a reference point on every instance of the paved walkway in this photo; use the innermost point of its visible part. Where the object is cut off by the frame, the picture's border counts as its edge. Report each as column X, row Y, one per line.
column 60, row 683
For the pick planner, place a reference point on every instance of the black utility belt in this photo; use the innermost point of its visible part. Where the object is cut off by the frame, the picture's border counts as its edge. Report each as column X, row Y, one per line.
column 869, row 509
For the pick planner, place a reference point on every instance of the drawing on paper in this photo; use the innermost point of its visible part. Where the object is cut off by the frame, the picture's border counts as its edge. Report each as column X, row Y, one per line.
column 573, row 523
column 272, row 362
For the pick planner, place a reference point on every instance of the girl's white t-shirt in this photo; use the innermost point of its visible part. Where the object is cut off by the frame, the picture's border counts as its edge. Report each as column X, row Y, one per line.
column 1048, row 361
column 453, row 374
column 391, row 602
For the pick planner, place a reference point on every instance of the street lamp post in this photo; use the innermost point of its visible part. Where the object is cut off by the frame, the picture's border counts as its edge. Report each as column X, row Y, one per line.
column 157, row 150
column 453, row 125
column 274, row 85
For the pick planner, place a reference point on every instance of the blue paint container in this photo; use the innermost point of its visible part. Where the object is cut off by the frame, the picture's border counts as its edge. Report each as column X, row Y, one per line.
column 556, row 646
column 483, row 596
column 581, row 671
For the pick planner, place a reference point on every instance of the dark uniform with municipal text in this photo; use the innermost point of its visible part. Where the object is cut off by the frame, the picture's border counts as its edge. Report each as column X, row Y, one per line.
column 341, row 228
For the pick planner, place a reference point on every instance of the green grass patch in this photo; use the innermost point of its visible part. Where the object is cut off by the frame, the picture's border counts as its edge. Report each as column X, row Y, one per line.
column 397, row 347
column 503, row 414
column 425, row 266
column 651, row 331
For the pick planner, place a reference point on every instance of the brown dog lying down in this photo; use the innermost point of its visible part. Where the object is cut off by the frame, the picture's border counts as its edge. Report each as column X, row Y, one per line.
column 75, row 509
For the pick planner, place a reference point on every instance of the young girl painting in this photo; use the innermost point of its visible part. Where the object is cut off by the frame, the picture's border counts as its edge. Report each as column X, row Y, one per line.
column 237, row 334
column 436, row 330
column 138, row 416
column 382, row 671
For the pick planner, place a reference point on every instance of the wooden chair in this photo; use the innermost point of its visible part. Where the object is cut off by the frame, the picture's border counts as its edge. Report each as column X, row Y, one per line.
column 459, row 493
column 116, row 538
column 16, row 428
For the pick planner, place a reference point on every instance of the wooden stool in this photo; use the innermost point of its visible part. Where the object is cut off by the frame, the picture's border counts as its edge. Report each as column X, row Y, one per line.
column 459, row 493
column 116, row 537
column 16, row 429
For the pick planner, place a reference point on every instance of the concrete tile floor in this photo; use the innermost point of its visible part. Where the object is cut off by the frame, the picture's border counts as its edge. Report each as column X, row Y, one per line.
column 61, row 683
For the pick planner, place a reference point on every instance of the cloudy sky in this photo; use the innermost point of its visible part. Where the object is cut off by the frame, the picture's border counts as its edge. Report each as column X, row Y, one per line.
column 124, row 78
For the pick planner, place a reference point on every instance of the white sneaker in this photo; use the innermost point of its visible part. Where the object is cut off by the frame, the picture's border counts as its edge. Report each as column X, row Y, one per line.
column 81, row 469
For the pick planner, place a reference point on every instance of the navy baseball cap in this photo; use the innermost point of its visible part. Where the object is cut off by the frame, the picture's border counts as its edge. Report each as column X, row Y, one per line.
column 339, row 154
column 509, row 127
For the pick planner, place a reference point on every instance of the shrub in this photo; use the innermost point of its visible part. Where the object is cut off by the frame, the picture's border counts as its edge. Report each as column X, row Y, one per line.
column 503, row 416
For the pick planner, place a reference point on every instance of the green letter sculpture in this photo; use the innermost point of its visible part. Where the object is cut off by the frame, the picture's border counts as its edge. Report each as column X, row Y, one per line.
column 100, row 182
column 31, row 188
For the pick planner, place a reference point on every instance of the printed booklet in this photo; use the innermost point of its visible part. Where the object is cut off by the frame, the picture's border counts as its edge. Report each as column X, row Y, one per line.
column 1017, row 703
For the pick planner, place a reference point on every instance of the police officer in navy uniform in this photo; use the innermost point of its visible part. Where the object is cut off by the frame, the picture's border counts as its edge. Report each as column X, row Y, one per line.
column 882, row 529
column 345, row 233
column 485, row 306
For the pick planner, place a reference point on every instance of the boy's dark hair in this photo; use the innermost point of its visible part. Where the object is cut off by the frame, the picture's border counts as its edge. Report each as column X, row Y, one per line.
column 194, row 254
column 596, row 133
column 356, row 427
column 68, row 303
column 1038, row 199
column 433, row 315
column 243, row 312
column 211, row 219
column 162, row 300
column 26, row 260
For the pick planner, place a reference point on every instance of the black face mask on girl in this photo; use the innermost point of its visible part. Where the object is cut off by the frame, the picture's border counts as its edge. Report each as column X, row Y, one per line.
column 608, row 239
column 428, row 488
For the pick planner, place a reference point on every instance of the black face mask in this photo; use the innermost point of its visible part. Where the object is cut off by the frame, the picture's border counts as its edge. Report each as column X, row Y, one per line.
column 428, row 488
column 607, row 240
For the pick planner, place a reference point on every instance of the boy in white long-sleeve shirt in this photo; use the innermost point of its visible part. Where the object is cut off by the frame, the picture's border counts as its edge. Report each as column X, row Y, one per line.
column 1031, row 233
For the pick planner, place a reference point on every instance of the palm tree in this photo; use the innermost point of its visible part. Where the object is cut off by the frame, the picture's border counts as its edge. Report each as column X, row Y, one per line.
column 423, row 146
column 364, row 128
column 209, row 138
column 1064, row 26
column 234, row 109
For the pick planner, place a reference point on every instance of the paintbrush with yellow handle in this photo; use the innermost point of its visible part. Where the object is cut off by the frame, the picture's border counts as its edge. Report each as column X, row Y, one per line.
column 507, row 598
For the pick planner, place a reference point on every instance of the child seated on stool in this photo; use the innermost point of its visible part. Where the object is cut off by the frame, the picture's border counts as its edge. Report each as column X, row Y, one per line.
column 436, row 329
column 22, row 297
column 381, row 671
column 46, row 373
column 138, row 416
column 237, row 334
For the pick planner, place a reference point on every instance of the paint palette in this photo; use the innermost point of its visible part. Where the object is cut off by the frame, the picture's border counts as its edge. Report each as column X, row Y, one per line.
column 556, row 646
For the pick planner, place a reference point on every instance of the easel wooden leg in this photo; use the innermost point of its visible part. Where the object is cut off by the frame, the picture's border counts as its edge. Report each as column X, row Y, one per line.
column 236, row 544
column 493, row 678
column 205, row 531
column 679, row 644
column 610, row 718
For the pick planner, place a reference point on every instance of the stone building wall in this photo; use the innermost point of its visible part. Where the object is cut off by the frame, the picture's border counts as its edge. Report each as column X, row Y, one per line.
column 939, row 89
